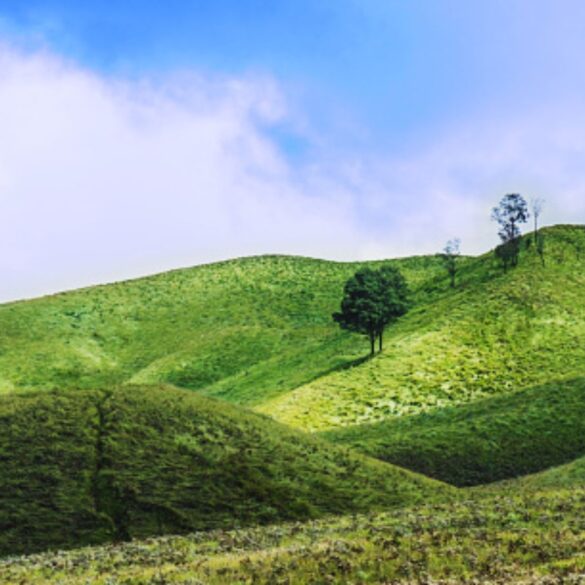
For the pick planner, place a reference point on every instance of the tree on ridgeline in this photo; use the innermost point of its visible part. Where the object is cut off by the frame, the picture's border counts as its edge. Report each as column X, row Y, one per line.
column 450, row 255
column 372, row 300
column 511, row 212
column 537, row 206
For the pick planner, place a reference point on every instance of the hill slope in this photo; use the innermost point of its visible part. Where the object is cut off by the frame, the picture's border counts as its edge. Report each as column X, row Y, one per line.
column 486, row 441
column 89, row 466
column 495, row 334
column 245, row 330
column 258, row 331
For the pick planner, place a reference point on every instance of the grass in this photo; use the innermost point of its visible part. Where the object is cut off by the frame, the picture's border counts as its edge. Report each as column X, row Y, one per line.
column 244, row 330
column 258, row 332
column 568, row 476
column 477, row 384
column 82, row 467
column 482, row 442
column 497, row 333
column 503, row 538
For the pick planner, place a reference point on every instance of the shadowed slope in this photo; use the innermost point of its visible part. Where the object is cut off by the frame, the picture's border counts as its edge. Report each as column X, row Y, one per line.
column 83, row 466
column 483, row 442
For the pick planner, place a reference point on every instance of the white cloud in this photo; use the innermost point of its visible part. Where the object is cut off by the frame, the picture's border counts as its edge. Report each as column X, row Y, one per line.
column 102, row 178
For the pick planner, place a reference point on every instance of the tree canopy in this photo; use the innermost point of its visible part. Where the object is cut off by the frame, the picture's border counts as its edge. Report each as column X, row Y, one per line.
column 373, row 299
column 510, row 213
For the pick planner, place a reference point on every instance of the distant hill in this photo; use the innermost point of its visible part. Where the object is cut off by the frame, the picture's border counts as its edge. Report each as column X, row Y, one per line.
column 258, row 331
column 91, row 466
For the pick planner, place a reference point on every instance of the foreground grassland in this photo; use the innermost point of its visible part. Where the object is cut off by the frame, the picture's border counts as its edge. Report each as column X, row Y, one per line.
column 482, row 442
column 85, row 466
column 504, row 538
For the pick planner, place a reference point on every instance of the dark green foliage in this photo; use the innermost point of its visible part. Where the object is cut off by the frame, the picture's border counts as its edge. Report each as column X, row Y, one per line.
column 372, row 299
column 485, row 441
column 510, row 213
column 81, row 467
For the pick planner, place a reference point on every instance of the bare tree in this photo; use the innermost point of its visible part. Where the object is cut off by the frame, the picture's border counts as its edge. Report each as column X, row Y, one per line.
column 450, row 254
column 537, row 205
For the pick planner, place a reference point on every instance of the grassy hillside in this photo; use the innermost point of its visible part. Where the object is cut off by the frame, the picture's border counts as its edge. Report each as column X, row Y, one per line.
column 83, row 466
column 495, row 334
column 482, row 442
column 258, row 332
column 537, row 538
column 245, row 330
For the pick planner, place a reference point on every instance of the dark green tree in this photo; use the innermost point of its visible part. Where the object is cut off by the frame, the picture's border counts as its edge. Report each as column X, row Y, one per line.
column 450, row 254
column 510, row 213
column 372, row 299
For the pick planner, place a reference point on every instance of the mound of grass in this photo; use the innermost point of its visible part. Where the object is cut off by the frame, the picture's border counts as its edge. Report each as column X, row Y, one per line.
column 81, row 467
column 495, row 334
column 486, row 441
column 537, row 538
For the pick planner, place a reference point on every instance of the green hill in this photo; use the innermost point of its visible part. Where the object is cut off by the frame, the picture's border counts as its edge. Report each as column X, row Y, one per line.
column 497, row 333
column 486, row 441
column 258, row 331
column 90, row 466
column 245, row 330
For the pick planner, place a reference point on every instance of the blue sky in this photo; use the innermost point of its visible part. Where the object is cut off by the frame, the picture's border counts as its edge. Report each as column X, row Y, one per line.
column 397, row 124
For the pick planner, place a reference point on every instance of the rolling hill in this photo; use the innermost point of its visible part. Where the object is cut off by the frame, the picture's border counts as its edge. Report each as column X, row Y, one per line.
column 496, row 333
column 258, row 332
column 245, row 330
column 91, row 466
column 477, row 384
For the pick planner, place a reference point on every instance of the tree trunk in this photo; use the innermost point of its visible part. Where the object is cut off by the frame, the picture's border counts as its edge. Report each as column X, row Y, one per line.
column 372, row 344
column 380, row 340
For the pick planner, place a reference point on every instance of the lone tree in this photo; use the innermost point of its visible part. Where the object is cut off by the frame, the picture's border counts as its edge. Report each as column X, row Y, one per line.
column 372, row 299
column 450, row 254
column 510, row 213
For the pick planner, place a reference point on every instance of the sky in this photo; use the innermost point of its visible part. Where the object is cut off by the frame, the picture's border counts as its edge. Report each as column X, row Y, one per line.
column 141, row 136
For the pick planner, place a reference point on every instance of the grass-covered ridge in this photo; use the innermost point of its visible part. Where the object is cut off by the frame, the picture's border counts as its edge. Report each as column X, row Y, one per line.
column 90, row 466
column 495, row 334
column 485, row 441
column 244, row 330
column 525, row 539
column 258, row 331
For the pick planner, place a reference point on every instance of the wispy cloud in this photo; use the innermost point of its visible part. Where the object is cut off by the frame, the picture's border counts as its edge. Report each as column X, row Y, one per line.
column 103, row 178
